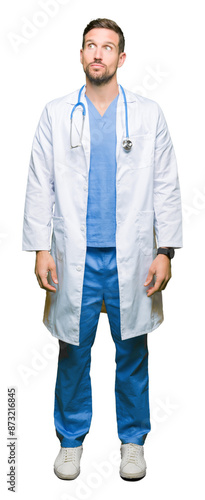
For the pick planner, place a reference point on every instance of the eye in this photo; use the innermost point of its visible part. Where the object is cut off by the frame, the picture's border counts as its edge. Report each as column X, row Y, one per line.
column 91, row 45
column 108, row 48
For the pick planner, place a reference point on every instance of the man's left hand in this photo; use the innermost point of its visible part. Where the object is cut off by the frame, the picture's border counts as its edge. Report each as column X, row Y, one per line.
column 161, row 268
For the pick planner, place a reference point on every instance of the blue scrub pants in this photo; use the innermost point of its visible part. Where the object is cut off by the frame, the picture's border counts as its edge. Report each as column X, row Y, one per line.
column 73, row 393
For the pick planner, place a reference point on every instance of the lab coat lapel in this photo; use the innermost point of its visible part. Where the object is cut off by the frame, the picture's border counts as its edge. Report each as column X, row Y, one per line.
column 77, row 124
column 86, row 133
column 82, row 152
column 120, row 123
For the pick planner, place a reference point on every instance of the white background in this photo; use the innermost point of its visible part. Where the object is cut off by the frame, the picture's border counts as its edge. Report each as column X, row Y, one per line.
column 165, row 62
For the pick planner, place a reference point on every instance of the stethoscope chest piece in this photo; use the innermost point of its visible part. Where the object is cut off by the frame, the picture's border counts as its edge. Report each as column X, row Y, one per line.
column 127, row 144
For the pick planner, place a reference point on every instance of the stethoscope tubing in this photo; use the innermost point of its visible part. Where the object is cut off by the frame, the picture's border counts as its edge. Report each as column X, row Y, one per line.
column 127, row 143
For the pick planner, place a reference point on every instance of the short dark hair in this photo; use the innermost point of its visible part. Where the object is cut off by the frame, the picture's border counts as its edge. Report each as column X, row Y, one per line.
column 108, row 24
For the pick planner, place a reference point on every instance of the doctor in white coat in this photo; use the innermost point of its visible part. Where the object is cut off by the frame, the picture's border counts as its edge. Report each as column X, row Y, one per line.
column 104, row 221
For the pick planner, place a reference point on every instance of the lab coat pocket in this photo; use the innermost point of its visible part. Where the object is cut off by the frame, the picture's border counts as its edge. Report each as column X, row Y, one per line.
column 58, row 240
column 146, row 231
column 141, row 154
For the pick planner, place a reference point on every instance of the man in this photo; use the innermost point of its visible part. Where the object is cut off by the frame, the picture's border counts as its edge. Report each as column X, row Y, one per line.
column 111, row 175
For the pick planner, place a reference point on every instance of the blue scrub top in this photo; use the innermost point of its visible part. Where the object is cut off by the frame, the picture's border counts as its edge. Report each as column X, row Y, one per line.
column 101, row 209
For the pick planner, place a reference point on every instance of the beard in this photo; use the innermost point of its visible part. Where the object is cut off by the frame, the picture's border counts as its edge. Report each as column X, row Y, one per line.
column 98, row 79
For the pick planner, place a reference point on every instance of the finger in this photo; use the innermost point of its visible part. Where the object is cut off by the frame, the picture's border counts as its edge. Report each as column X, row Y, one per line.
column 47, row 286
column 164, row 284
column 50, row 288
column 149, row 278
column 54, row 275
column 39, row 281
column 43, row 282
column 156, row 288
column 151, row 291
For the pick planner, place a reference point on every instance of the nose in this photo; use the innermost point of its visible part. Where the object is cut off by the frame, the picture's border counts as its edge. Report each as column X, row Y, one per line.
column 98, row 53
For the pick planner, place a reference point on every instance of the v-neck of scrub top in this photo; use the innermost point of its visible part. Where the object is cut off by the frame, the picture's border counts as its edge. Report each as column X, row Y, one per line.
column 101, row 207
column 95, row 111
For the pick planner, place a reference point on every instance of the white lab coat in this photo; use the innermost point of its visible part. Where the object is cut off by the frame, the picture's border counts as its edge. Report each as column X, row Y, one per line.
column 148, row 209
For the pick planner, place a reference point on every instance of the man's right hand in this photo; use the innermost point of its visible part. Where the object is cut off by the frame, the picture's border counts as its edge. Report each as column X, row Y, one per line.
column 45, row 263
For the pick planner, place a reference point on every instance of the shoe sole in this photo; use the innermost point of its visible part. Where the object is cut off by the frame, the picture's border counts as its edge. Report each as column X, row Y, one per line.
column 64, row 476
column 132, row 477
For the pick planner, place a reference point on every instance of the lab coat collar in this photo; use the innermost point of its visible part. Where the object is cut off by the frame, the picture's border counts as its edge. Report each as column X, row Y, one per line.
column 73, row 97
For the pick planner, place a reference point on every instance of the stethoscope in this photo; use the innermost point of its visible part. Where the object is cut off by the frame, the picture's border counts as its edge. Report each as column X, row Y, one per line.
column 126, row 143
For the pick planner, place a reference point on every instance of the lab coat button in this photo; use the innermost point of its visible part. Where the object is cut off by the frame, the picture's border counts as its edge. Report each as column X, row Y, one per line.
column 78, row 268
column 82, row 228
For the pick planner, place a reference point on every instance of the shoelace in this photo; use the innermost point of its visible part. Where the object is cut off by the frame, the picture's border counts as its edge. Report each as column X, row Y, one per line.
column 132, row 453
column 69, row 454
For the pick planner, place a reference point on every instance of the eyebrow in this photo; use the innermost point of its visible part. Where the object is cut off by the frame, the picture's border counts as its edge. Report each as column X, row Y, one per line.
column 93, row 41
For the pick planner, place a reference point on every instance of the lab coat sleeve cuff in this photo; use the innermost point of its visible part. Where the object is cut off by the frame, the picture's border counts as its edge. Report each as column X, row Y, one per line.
column 36, row 238
column 169, row 234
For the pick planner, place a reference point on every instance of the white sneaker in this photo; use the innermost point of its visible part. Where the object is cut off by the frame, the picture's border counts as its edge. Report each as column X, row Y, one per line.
column 133, row 465
column 67, row 463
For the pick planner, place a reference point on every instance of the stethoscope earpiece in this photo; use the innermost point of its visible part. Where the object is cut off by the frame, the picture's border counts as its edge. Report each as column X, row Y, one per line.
column 126, row 144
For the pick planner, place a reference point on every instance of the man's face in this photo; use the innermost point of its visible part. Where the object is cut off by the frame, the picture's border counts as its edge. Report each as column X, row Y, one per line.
column 100, row 57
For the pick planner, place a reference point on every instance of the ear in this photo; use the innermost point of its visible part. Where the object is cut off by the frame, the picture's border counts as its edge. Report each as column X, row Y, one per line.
column 121, row 60
column 81, row 56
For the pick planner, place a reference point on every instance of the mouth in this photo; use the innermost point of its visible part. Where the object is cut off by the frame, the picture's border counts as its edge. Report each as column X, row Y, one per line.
column 97, row 65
